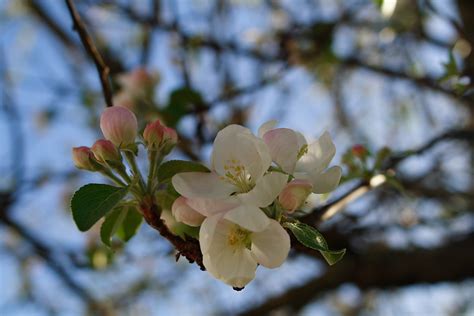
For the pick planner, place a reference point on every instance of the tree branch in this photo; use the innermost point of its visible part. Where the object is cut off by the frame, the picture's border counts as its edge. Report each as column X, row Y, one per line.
column 328, row 210
column 102, row 69
column 454, row 261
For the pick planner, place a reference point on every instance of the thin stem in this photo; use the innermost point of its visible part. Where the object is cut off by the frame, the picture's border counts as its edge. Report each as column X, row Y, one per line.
column 136, row 172
column 151, row 171
column 113, row 177
column 121, row 171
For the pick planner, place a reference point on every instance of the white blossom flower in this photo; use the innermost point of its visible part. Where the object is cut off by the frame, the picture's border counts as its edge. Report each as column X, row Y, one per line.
column 237, row 185
column 236, row 234
column 231, row 252
column 290, row 151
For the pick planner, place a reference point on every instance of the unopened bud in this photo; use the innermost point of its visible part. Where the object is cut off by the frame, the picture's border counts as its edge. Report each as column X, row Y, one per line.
column 153, row 135
column 359, row 151
column 105, row 151
column 119, row 125
column 170, row 139
column 159, row 137
column 84, row 159
column 295, row 194
column 182, row 212
column 137, row 81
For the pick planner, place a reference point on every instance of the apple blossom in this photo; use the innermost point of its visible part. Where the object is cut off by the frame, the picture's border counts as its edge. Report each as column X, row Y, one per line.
column 295, row 194
column 182, row 212
column 84, row 158
column 237, row 184
column 137, row 81
column 160, row 137
column 231, row 252
column 119, row 125
column 105, row 151
column 290, row 151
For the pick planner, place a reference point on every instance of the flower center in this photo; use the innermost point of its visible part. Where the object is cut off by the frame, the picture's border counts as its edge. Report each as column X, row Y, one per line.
column 239, row 237
column 236, row 174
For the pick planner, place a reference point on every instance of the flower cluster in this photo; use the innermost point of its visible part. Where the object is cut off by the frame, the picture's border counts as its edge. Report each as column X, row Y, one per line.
column 254, row 186
column 240, row 209
column 120, row 128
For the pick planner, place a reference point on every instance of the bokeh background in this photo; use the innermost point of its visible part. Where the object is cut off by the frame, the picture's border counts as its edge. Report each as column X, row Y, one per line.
column 393, row 75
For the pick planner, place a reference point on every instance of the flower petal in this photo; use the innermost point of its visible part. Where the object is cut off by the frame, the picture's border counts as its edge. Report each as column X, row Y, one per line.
column 271, row 246
column 249, row 217
column 236, row 146
column 301, row 140
column 209, row 207
column 234, row 267
column 266, row 190
column 201, row 185
column 283, row 146
column 210, row 232
column 319, row 155
column 326, row 181
column 267, row 126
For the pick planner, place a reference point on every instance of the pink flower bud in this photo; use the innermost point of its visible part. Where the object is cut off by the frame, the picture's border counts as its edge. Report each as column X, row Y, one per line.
column 83, row 158
column 137, row 81
column 359, row 151
column 170, row 139
column 105, row 150
column 185, row 214
column 294, row 194
column 153, row 134
column 160, row 137
column 119, row 125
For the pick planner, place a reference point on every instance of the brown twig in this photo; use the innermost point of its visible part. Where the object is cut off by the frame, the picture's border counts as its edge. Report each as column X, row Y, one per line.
column 331, row 208
column 102, row 69
column 188, row 248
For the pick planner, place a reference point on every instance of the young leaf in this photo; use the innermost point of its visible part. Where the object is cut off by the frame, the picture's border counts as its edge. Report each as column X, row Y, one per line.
column 112, row 222
column 313, row 239
column 130, row 224
column 169, row 168
column 91, row 202
column 123, row 221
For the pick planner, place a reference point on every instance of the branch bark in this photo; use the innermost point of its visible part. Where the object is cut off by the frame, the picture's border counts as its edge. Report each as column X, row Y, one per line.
column 102, row 69
column 454, row 261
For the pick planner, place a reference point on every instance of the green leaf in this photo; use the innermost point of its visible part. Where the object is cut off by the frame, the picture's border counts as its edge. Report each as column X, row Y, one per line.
column 130, row 224
column 313, row 239
column 169, row 168
column 91, row 202
column 181, row 102
column 111, row 224
column 123, row 221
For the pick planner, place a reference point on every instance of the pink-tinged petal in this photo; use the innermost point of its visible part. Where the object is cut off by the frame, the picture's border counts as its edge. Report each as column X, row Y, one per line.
column 213, row 232
column 202, row 185
column 319, row 155
column 119, row 125
column 235, row 267
column 209, row 207
column 283, row 146
column 266, row 190
column 270, row 247
column 236, row 147
column 186, row 214
column 327, row 181
column 267, row 126
column 295, row 194
column 249, row 217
